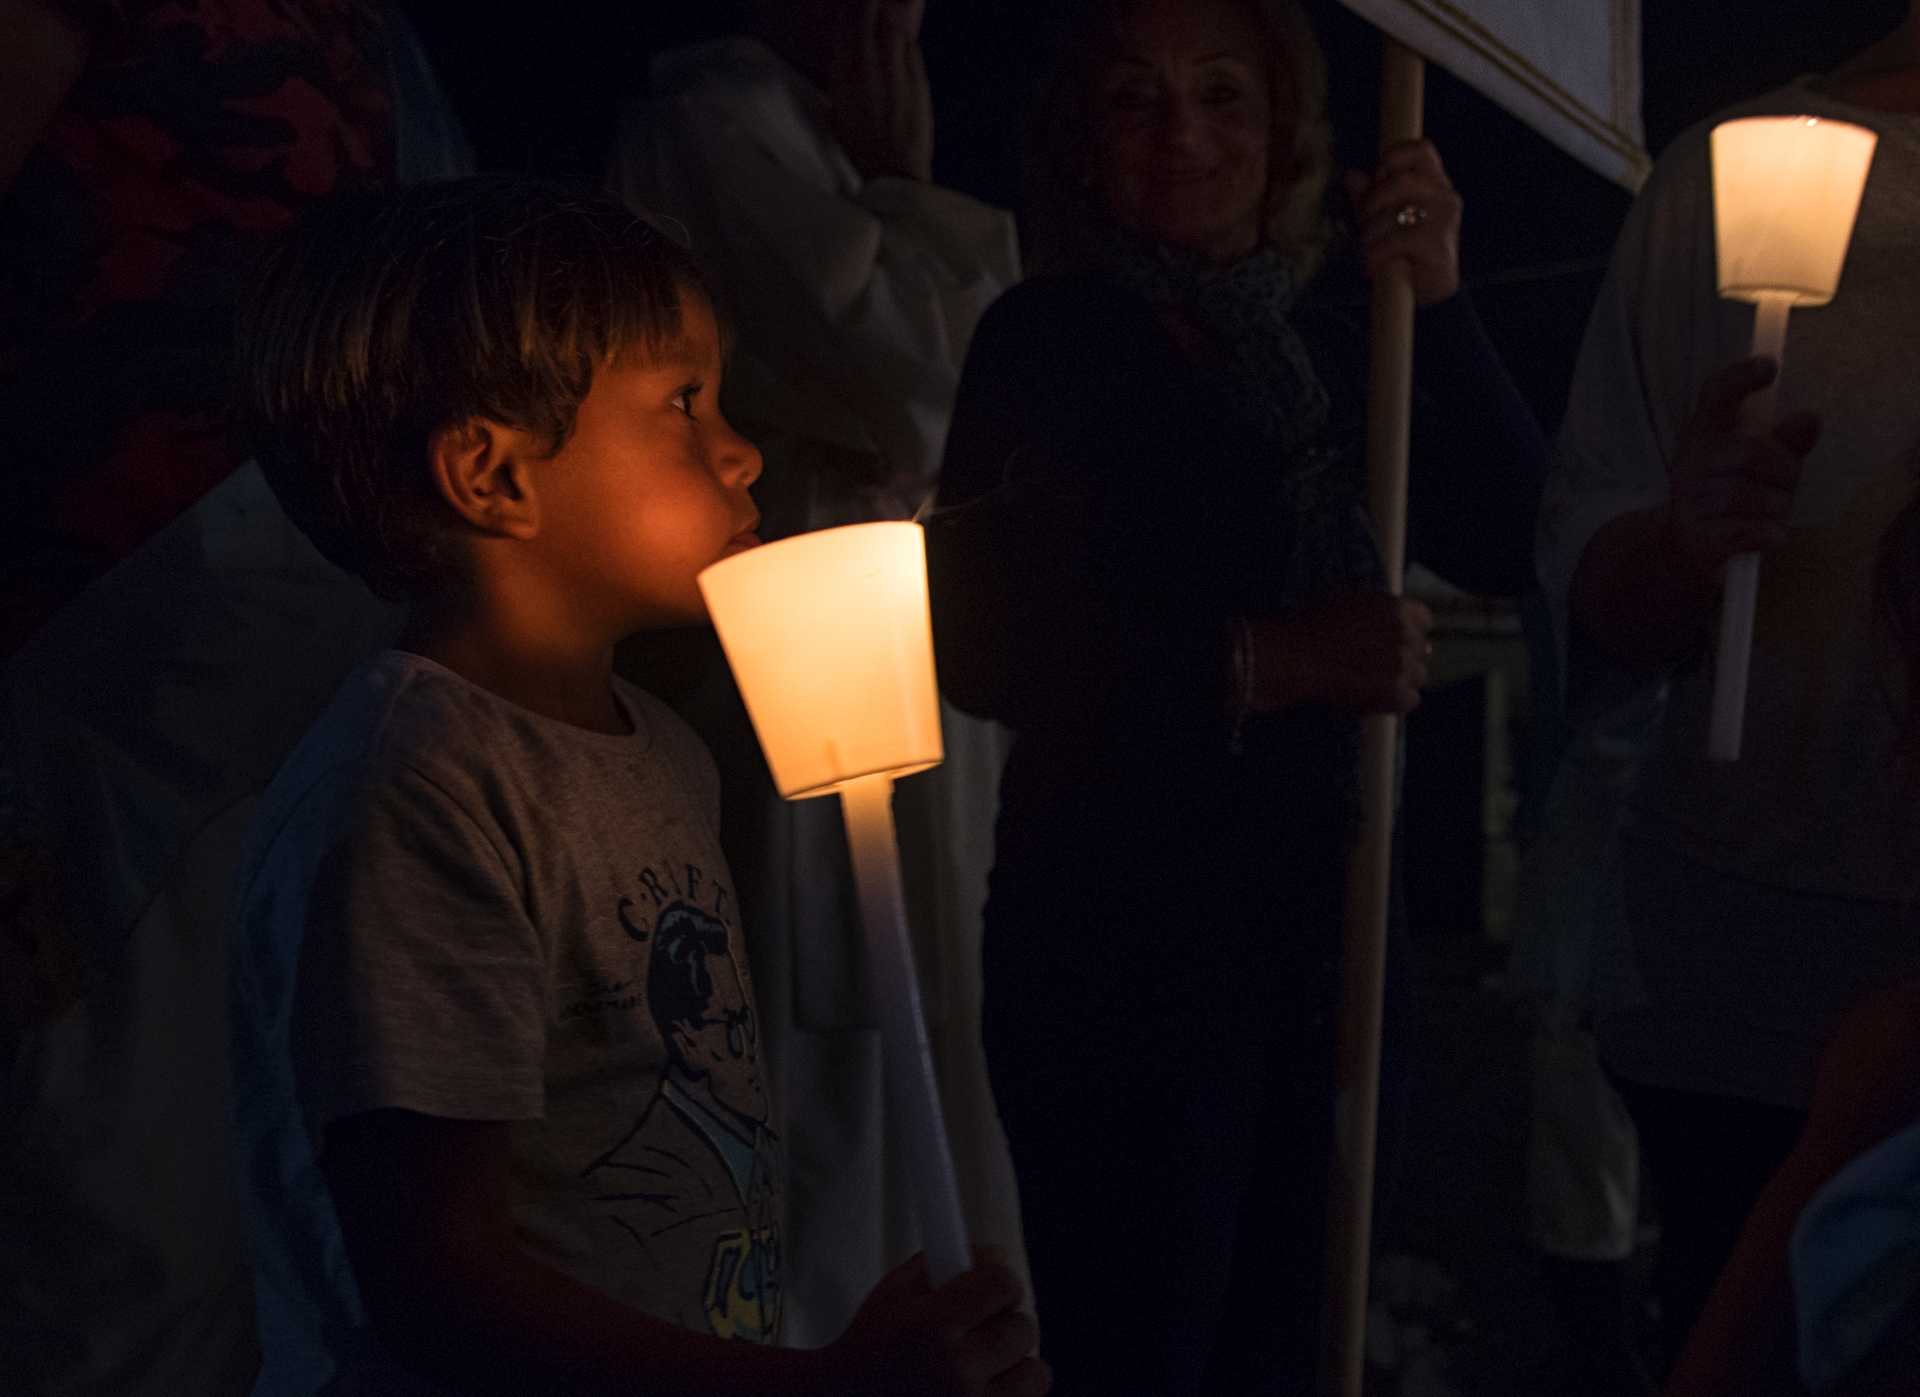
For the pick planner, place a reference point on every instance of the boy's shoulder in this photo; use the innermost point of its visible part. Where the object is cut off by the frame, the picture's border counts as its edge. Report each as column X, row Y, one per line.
column 398, row 710
column 403, row 720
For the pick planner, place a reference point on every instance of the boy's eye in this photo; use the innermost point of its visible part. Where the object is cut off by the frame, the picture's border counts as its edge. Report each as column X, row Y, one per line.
column 684, row 398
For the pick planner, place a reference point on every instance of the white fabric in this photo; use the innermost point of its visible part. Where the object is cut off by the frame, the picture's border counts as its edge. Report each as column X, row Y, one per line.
column 1582, row 1163
column 1566, row 913
column 1583, row 1155
column 1570, row 69
column 144, row 718
column 853, row 302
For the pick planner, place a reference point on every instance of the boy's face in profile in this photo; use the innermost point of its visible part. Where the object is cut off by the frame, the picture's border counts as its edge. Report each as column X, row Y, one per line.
column 652, row 486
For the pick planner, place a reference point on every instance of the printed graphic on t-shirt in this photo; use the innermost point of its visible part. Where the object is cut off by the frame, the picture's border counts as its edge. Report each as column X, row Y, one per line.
column 694, row 1183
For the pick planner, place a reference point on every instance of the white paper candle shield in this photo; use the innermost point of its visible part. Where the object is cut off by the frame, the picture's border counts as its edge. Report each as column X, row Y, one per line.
column 1786, row 190
column 829, row 638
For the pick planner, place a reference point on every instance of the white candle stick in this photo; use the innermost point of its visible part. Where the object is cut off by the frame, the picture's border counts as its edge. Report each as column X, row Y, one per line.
column 1786, row 190
column 829, row 637
column 913, row 1091
column 1741, row 589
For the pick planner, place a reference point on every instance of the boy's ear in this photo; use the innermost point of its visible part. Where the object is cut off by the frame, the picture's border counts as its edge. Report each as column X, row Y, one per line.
column 480, row 468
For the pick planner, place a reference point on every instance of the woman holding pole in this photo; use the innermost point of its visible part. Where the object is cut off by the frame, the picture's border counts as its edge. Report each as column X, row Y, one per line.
column 1151, row 560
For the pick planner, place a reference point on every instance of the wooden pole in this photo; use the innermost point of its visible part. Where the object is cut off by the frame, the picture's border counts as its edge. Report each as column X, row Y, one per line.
column 1363, row 962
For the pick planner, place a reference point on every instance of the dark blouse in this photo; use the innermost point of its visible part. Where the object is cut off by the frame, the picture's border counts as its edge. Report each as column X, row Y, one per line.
column 1102, row 514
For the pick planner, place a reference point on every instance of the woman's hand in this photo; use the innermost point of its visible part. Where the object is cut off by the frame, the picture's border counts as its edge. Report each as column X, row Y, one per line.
column 1732, row 493
column 1363, row 652
column 882, row 109
column 1409, row 212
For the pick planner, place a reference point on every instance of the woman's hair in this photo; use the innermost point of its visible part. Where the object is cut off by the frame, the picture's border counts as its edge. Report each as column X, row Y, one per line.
column 384, row 318
column 1060, row 206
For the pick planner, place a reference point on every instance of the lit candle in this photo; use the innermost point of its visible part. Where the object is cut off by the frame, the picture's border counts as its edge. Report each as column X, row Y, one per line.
column 1786, row 190
column 829, row 637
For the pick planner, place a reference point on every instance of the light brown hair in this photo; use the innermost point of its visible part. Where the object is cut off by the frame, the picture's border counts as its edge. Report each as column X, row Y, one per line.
column 383, row 318
column 1060, row 207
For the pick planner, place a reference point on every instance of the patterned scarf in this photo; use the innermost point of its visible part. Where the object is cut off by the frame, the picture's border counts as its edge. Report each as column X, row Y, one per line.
column 1268, row 378
column 1269, row 383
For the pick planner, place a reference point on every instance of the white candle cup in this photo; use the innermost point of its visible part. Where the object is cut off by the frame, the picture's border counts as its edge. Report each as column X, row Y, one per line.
column 829, row 637
column 1786, row 192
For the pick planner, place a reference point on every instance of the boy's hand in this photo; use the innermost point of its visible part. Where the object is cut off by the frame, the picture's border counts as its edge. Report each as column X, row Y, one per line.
column 969, row 1338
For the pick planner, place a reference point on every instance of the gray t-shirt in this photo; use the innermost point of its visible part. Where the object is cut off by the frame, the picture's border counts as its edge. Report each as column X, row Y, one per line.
column 453, row 906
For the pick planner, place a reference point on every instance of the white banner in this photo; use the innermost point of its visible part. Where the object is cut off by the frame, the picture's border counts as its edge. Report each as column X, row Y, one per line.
column 1568, row 68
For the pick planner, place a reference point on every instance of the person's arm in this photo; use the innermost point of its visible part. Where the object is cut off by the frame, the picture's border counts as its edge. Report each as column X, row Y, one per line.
column 43, row 49
column 878, row 100
column 1479, row 457
column 1060, row 600
column 425, row 1208
column 1864, row 1092
column 1478, row 453
column 1075, row 562
column 1637, row 597
column 1741, row 1346
column 1648, row 582
column 1645, row 494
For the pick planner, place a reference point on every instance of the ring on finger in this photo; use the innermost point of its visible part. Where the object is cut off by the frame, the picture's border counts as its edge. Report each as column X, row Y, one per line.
column 1410, row 216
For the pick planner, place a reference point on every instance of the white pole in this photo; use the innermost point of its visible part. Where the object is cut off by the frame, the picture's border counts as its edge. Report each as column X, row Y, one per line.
column 913, row 1092
column 1363, row 963
column 1741, row 591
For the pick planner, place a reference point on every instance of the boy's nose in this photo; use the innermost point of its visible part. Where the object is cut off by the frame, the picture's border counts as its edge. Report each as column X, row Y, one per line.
column 740, row 460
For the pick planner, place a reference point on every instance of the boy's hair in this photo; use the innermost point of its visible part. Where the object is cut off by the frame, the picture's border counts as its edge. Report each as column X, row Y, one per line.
column 382, row 319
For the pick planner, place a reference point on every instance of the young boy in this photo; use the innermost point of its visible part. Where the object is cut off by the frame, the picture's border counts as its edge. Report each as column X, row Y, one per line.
column 502, row 1116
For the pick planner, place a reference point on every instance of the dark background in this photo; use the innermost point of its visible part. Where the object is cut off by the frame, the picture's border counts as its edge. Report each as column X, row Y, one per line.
column 537, row 86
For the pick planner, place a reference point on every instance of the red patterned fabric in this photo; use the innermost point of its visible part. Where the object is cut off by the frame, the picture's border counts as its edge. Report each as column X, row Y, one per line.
column 196, row 133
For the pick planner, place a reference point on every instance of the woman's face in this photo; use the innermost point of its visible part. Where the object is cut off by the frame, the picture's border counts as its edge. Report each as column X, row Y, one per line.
column 1182, row 122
